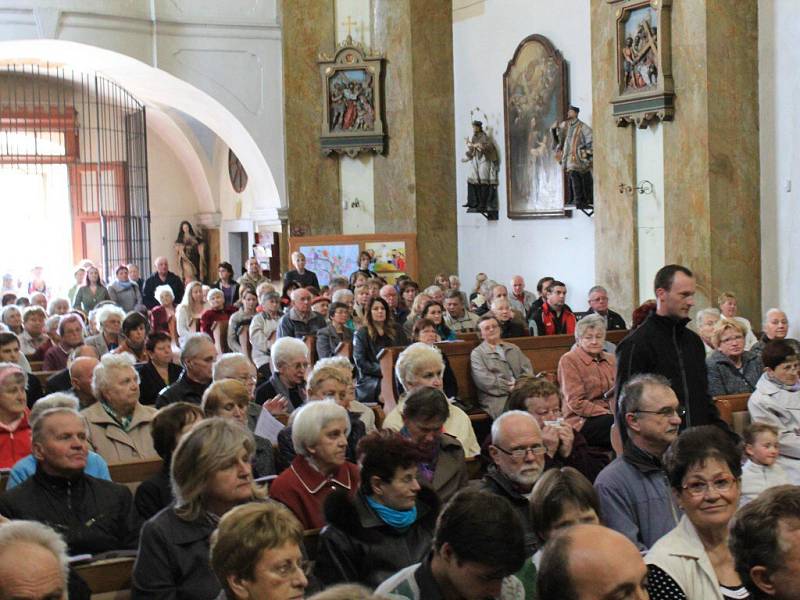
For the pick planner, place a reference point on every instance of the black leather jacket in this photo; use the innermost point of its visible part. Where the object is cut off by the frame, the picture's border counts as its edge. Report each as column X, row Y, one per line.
column 93, row 515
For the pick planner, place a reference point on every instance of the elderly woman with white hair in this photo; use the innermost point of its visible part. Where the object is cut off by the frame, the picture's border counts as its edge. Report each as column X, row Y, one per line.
column 211, row 474
column 587, row 375
column 776, row 327
column 162, row 317
column 109, row 323
column 119, row 425
column 289, row 358
column 319, row 435
column 705, row 321
column 421, row 365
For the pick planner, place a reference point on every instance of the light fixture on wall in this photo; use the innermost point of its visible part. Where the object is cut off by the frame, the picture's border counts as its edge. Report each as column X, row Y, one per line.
column 644, row 187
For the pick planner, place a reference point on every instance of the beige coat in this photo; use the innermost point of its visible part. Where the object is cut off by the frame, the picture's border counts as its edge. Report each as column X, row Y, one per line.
column 108, row 439
column 492, row 369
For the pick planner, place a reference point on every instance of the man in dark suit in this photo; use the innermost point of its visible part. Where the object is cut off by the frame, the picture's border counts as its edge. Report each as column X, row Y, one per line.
column 162, row 276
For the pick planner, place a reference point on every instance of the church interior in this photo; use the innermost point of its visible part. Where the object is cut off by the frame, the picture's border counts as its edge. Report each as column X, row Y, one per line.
column 588, row 142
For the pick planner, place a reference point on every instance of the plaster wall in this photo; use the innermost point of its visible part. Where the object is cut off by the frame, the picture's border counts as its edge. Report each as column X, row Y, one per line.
column 485, row 35
column 779, row 130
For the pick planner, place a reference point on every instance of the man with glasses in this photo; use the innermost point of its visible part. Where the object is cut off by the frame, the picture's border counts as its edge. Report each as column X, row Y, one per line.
column 635, row 495
column 518, row 455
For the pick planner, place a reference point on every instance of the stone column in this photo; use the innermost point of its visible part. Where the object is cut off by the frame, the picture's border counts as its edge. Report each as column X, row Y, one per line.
column 711, row 155
column 312, row 180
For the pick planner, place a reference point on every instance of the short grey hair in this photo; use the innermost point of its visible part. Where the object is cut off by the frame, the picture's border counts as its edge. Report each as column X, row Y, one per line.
column 227, row 363
column 412, row 357
column 497, row 424
column 37, row 534
column 106, row 312
column 56, row 400
column 337, row 362
column 101, row 376
column 433, row 289
column 286, row 348
column 338, row 282
column 193, row 344
column 161, row 290
column 309, row 421
column 267, row 296
column 37, row 428
column 772, row 310
column 597, row 288
column 632, row 392
column 51, row 306
column 338, row 295
column 591, row 321
column 214, row 292
column 702, row 314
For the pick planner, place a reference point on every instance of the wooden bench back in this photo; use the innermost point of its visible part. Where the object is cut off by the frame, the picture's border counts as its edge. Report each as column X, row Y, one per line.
column 43, row 376
column 106, row 576
column 733, row 410
column 4, row 480
column 544, row 352
column 134, row 471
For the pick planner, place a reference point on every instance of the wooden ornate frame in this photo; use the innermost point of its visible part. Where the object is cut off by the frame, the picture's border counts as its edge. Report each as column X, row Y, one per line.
column 512, row 211
column 350, row 56
column 657, row 103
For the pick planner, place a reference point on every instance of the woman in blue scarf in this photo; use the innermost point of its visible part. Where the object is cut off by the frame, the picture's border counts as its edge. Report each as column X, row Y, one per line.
column 387, row 526
column 124, row 292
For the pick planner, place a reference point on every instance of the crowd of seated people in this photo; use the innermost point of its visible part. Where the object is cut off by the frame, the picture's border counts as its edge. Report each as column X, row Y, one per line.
column 276, row 428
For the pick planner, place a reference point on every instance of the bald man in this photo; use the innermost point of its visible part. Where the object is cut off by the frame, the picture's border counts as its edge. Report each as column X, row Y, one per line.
column 162, row 276
column 591, row 562
column 80, row 376
column 61, row 381
column 520, row 298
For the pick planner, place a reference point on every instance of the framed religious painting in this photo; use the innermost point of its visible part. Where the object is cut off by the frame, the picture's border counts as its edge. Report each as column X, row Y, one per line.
column 645, row 89
column 535, row 98
column 352, row 115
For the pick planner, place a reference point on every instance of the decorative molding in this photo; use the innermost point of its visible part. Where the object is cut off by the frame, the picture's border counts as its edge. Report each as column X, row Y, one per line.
column 47, row 19
column 210, row 220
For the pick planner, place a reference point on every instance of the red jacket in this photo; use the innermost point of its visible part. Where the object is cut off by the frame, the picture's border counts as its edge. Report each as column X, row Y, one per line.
column 303, row 489
column 15, row 445
column 549, row 324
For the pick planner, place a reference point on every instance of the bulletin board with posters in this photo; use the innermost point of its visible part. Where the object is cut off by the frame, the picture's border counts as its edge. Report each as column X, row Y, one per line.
column 392, row 254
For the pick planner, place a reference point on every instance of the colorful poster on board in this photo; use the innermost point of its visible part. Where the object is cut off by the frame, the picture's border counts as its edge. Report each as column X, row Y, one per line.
column 388, row 259
column 330, row 261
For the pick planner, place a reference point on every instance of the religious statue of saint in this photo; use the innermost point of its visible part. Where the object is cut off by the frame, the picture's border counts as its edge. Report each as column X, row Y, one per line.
column 482, row 176
column 572, row 141
column 190, row 250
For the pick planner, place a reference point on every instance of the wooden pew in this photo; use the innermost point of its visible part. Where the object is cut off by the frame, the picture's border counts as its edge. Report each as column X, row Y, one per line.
column 733, row 410
column 134, row 471
column 311, row 542
column 107, row 575
column 311, row 343
column 43, row 376
column 474, row 467
column 36, row 365
column 544, row 353
column 244, row 342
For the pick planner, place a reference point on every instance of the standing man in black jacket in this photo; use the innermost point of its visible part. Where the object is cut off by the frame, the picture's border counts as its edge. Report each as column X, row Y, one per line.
column 665, row 346
column 162, row 276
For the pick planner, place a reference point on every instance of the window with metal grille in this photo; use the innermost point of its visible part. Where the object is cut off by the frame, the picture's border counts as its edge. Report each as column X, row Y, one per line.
column 51, row 115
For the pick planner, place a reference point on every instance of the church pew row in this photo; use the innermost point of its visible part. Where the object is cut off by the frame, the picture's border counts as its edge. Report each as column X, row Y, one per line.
column 135, row 471
column 544, row 353
column 733, row 410
column 108, row 576
column 43, row 376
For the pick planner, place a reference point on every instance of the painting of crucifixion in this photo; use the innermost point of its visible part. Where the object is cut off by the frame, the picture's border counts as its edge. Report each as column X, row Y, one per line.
column 640, row 51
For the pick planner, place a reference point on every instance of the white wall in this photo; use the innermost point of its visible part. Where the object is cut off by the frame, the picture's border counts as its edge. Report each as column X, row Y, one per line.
column 649, row 206
column 779, row 124
column 485, row 35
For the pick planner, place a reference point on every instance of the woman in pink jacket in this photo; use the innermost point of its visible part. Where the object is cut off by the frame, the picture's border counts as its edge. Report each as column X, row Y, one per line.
column 586, row 375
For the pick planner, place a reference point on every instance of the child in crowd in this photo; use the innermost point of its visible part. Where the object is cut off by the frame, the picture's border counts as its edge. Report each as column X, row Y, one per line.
column 760, row 471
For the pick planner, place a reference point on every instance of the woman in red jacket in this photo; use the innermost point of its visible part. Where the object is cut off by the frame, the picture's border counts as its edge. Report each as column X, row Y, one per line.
column 15, row 431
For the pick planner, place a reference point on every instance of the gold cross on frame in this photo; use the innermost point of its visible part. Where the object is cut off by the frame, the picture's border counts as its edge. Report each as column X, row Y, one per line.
column 349, row 23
